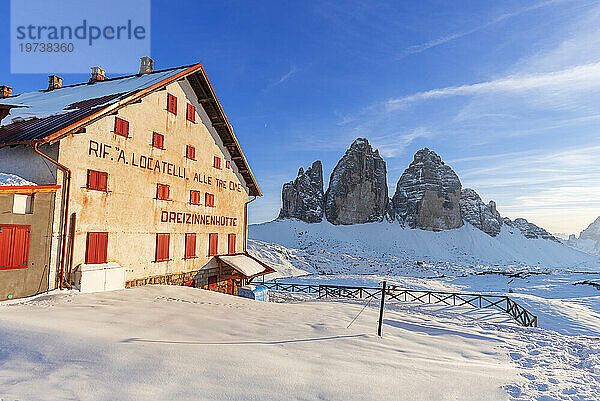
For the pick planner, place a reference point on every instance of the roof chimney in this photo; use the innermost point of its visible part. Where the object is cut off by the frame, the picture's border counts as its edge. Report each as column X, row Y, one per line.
column 97, row 74
column 5, row 91
column 54, row 82
column 146, row 65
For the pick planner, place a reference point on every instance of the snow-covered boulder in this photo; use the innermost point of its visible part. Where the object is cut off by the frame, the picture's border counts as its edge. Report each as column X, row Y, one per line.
column 482, row 216
column 358, row 191
column 428, row 194
column 303, row 198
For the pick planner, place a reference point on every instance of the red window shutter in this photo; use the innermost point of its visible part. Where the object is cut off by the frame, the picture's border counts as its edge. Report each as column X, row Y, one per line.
column 190, row 246
column 121, row 127
column 97, row 180
column 97, row 248
column 217, row 162
column 191, row 113
column 171, row 103
column 213, row 244
column 195, row 197
column 227, row 164
column 162, row 247
column 158, row 140
column 190, row 152
column 14, row 246
column 231, row 244
column 162, row 191
column 209, row 200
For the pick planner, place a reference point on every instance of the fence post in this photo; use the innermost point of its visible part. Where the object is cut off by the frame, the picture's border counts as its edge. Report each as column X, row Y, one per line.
column 381, row 308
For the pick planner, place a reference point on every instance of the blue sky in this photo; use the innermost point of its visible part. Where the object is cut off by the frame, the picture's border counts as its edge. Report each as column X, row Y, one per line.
column 508, row 93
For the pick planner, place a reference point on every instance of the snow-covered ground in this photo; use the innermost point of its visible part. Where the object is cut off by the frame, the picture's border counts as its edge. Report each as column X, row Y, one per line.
column 395, row 245
column 558, row 284
column 174, row 343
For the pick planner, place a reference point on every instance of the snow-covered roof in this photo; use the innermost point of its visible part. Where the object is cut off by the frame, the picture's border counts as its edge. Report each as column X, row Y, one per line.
column 41, row 104
column 48, row 116
column 246, row 264
column 12, row 180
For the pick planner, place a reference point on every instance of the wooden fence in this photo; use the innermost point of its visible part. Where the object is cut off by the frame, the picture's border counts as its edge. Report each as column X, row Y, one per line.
column 483, row 301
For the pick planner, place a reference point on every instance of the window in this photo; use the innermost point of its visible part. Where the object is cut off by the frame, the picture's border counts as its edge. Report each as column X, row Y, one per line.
column 121, row 127
column 162, row 191
column 195, row 197
column 190, row 246
column 97, row 180
column 190, row 152
column 231, row 244
column 158, row 140
column 217, row 162
column 227, row 164
column 171, row 103
column 162, row 247
column 190, row 115
column 209, row 200
column 213, row 244
column 14, row 246
column 22, row 204
column 96, row 248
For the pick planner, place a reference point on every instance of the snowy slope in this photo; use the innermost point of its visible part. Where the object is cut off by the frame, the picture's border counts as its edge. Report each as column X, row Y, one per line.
column 179, row 343
column 466, row 245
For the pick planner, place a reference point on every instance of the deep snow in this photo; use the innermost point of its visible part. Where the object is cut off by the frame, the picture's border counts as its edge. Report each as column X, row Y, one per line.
column 466, row 245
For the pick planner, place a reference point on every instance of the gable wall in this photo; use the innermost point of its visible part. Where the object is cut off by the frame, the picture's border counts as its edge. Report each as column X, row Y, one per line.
column 129, row 211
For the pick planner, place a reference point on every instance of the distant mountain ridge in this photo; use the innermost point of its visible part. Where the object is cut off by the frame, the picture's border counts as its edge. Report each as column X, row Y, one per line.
column 429, row 196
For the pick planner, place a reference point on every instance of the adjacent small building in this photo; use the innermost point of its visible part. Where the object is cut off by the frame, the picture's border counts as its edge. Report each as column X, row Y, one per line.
column 134, row 180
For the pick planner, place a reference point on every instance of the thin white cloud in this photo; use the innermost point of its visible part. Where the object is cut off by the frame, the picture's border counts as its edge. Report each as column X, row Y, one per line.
column 393, row 145
column 457, row 35
column 288, row 75
column 575, row 79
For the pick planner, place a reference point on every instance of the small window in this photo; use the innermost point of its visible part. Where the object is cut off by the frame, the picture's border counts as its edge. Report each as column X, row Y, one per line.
column 96, row 248
column 162, row 247
column 231, row 244
column 227, row 164
column 14, row 246
column 209, row 200
column 22, row 204
column 190, row 115
column 195, row 197
column 162, row 191
column 190, row 246
column 121, row 127
column 213, row 244
column 190, row 152
column 97, row 180
column 217, row 162
column 171, row 103
column 158, row 140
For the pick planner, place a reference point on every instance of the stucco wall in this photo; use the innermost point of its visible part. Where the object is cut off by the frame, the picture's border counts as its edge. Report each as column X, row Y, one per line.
column 34, row 278
column 129, row 211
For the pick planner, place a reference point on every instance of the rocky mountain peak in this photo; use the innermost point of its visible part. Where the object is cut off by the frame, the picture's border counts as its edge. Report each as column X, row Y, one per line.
column 482, row 216
column 592, row 231
column 428, row 194
column 303, row 198
column 357, row 190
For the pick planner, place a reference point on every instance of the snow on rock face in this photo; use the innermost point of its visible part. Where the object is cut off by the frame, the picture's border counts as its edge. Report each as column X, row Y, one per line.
column 482, row 216
column 529, row 230
column 303, row 198
column 428, row 194
column 358, row 191
column 589, row 239
column 13, row 180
